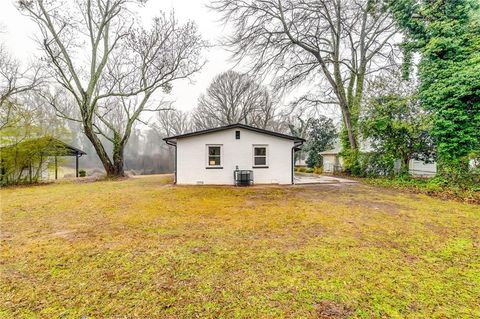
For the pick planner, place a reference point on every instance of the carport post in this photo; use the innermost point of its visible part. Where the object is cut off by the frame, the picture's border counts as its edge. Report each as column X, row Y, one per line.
column 76, row 164
column 56, row 168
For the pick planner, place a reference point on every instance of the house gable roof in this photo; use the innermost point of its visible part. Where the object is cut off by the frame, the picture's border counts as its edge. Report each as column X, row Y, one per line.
column 231, row 126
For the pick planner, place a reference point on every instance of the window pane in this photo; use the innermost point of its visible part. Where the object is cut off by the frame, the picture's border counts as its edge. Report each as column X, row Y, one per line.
column 260, row 160
column 262, row 151
column 214, row 150
column 214, row 160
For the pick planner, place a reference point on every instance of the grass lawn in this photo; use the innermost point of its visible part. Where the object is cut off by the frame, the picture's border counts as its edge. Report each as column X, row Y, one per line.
column 141, row 248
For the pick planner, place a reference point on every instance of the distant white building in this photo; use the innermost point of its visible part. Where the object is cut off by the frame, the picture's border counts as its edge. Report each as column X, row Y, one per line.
column 333, row 162
column 421, row 168
column 223, row 155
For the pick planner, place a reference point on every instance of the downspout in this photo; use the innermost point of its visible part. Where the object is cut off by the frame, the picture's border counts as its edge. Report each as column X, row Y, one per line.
column 293, row 162
column 175, row 162
column 295, row 146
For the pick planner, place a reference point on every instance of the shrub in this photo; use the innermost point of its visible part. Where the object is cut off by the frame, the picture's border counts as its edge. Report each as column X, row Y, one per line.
column 437, row 186
column 461, row 177
column 318, row 170
column 375, row 164
column 351, row 163
column 300, row 169
column 82, row 173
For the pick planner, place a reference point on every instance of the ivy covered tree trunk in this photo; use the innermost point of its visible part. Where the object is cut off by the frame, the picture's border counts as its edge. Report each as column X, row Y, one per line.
column 118, row 161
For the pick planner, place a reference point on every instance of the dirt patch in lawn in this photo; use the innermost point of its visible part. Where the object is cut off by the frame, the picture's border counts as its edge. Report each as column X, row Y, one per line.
column 381, row 206
column 71, row 234
column 355, row 196
column 330, row 310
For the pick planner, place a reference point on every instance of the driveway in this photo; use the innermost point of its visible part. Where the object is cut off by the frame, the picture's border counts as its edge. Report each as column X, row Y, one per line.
column 304, row 178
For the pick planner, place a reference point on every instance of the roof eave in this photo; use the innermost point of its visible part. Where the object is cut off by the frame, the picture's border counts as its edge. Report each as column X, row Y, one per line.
column 231, row 126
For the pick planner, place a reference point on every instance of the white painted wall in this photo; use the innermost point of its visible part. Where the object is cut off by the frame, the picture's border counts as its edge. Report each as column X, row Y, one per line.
column 420, row 168
column 332, row 163
column 329, row 163
column 192, row 158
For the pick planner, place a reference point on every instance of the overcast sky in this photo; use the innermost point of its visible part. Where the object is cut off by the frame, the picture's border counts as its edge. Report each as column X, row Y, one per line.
column 18, row 38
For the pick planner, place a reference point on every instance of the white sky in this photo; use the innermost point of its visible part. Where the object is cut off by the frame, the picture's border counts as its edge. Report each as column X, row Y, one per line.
column 19, row 34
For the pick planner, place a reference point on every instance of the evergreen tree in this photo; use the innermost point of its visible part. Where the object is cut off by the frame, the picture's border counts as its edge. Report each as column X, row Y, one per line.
column 321, row 136
column 447, row 35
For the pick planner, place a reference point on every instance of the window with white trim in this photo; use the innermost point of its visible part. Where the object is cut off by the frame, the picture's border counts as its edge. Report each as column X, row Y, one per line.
column 260, row 155
column 214, row 157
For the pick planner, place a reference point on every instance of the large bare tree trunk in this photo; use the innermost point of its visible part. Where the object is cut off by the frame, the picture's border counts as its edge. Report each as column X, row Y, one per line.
column 99, row 149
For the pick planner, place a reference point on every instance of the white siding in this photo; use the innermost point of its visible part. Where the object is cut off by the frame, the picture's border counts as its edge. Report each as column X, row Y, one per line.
column 192, row 158
column 332, row 163
column 329, row 162
column 420, row 168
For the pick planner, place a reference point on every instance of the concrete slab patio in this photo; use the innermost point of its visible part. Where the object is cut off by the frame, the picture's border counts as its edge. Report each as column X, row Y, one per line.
column 303, row 178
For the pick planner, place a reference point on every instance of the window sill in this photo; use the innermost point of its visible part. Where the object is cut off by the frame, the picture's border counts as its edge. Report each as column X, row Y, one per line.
column 214, row 167
column 260, row 166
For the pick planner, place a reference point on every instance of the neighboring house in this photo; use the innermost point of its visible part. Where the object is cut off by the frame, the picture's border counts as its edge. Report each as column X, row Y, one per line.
column 332, row 161
column 212, row 156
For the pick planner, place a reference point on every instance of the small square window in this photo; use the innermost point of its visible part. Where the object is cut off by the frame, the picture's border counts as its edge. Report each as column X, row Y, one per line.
column 260, row 156
column 237, row 135
column 214, row 156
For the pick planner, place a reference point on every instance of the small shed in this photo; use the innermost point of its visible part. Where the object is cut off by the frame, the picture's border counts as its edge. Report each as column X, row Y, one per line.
column 332, row 161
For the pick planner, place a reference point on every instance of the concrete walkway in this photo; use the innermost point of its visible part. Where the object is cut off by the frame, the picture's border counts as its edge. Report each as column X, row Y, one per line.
column 304, row 178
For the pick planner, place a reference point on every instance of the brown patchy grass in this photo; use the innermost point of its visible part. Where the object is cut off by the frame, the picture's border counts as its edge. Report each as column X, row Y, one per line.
column 141, row 248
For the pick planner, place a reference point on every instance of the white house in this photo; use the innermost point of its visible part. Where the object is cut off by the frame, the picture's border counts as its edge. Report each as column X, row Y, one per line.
column 212, row 156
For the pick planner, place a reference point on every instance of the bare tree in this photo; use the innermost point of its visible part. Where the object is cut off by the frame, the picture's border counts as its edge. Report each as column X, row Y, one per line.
column 333, row 43
column 172, row 122
column 234, row 98
column 169, row 123
column 14, row 81
column 111, row 67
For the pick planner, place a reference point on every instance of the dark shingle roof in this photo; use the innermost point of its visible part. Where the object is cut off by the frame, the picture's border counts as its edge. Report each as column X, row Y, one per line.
column 237, row 125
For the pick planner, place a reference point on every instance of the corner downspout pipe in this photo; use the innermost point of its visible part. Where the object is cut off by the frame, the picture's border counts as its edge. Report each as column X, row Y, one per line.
column 296, row 145
column 175, row 163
